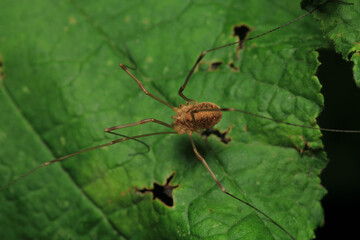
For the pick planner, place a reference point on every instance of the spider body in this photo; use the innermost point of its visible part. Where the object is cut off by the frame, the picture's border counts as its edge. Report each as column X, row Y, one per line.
column 194, row 117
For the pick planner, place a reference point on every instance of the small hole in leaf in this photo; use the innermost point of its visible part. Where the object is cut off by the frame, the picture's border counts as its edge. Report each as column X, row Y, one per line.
column 222, row 135
column 214, row 65
column 233, row 67
column 241, row 32
column 162, row 192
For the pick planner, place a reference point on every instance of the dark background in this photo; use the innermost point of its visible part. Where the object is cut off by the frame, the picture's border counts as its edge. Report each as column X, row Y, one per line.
column 341, row 178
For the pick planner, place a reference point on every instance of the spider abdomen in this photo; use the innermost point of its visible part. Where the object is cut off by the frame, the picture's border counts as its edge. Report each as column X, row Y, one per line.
column 184, row 122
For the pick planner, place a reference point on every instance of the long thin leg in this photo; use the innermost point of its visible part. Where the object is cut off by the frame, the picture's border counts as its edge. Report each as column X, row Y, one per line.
column 198, row 155
column 202, row 55
column 144, row 89
column 80, row 152
column 148, row 120
column 139, row 141
column 274, row 120
column 111, row 129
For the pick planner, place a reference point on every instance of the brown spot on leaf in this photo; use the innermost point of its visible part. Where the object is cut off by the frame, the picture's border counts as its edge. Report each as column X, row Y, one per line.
column 245, row 128
column 72, row 20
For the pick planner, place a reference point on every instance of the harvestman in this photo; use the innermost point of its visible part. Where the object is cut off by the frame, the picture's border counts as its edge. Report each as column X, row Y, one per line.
column 191, row 117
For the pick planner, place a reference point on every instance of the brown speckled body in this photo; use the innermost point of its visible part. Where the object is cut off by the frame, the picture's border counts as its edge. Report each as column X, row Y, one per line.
column 184, row 123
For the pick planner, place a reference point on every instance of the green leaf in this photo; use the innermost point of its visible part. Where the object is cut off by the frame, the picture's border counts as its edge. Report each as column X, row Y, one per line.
column 341, row 24
column 62, row 87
